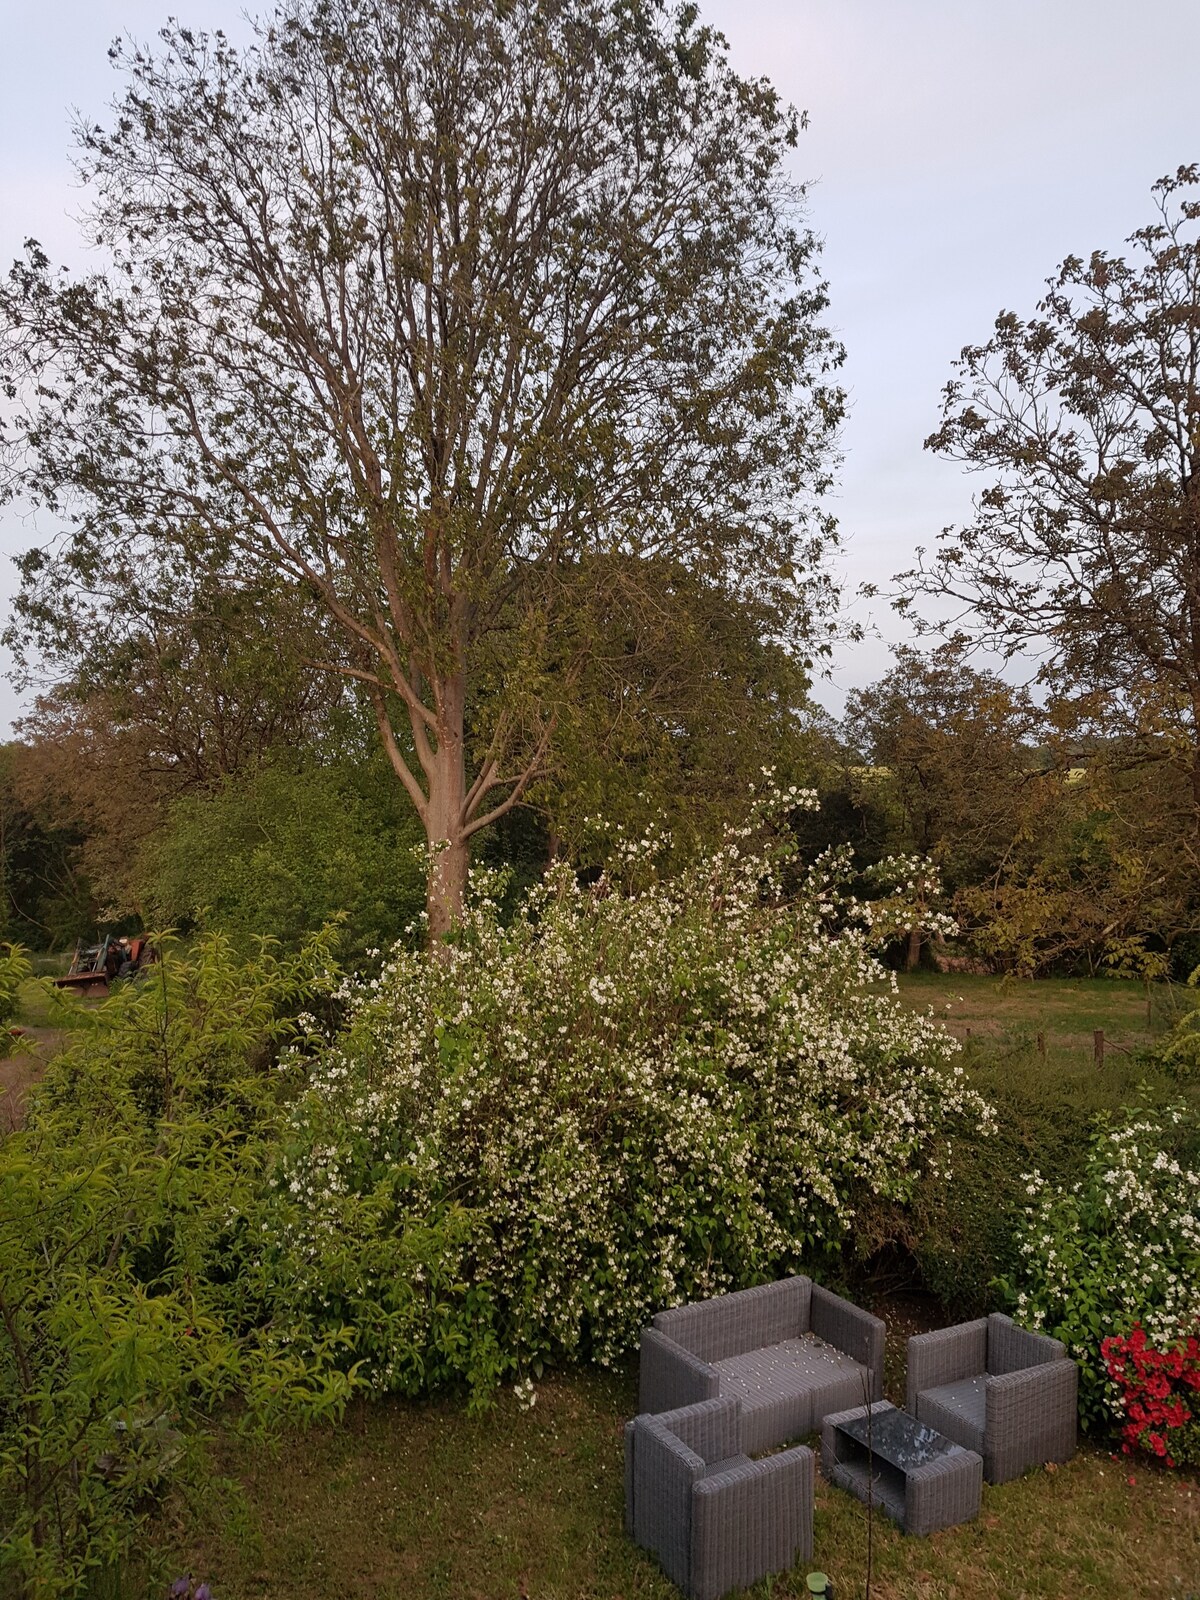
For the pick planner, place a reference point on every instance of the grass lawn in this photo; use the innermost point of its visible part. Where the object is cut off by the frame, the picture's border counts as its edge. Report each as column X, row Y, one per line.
column 999, row 1020
column 426, row 1503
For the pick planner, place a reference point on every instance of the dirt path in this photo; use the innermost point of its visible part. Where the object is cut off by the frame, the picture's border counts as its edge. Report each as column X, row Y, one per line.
column 19, row 1072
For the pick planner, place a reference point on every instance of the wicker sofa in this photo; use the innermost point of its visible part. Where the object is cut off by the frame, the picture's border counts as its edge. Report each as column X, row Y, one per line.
column 1002, row 1391
column 789, row 1352
column 715, row 1519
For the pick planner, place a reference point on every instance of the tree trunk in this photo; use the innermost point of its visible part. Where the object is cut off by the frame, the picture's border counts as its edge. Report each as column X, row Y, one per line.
column 445, row 823
column 913, row 953
column 446, row 888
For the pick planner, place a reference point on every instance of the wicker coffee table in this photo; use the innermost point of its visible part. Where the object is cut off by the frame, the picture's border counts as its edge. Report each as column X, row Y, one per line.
column 923, row 1480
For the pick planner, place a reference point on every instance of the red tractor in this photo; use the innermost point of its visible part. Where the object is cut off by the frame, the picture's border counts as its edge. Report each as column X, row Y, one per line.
column 94, row 966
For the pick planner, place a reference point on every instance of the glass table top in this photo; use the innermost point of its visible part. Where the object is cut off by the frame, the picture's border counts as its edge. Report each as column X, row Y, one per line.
column 897, row 1438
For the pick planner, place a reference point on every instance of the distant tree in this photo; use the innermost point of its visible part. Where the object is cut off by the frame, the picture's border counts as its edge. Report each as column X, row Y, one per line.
column 945, row 752
column 949, row 747
column 1085, row 548
column 1093, row 879
column 46, row 897
column 283, row 849
column 172, row 685
column 420, row 306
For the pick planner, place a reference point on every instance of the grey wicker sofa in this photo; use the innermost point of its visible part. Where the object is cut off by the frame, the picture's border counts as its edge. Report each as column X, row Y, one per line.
column 790, row 1352
column 715, row 1519
column 1002, row 1391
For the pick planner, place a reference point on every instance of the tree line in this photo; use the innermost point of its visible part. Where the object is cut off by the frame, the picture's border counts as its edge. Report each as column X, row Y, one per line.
column 439, row 461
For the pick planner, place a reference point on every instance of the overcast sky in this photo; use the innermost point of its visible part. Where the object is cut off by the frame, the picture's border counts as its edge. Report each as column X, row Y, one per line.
column 958, row 149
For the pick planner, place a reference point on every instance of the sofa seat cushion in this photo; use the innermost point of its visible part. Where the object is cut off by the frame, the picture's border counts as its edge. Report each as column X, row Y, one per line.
column 787, row 1389
column 959, row 1410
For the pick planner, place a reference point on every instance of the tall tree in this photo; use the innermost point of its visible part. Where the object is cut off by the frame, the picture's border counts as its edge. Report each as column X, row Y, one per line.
column 421, row 305
column 1085, row 547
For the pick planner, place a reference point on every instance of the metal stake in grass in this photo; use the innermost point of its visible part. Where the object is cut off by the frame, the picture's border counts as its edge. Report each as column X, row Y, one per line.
column 870, row 1482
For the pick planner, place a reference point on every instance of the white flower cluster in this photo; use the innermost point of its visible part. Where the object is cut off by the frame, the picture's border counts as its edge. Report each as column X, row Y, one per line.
column 1122, row 1245
column 621, row 1101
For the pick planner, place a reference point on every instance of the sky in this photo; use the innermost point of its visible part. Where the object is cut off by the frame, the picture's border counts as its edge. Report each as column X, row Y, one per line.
column 957, row 150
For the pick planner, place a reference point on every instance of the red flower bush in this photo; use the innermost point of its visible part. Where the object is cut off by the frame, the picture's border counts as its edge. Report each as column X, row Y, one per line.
column 1160, row 1394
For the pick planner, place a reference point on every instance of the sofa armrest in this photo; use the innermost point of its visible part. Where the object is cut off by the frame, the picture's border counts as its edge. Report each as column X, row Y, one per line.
column 753, row 1519
column 853, row 1331
column 670, row 1376
column 1031, row 1418
column 945, row 1356
column 665, row 1472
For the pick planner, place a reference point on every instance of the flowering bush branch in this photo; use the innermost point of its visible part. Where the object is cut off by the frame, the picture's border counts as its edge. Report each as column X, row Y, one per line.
column 1116, row 1251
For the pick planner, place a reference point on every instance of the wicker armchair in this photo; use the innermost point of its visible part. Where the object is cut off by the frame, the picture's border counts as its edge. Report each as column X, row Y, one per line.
column 715, row 1519
column 997, row 1389
column 790, row 1352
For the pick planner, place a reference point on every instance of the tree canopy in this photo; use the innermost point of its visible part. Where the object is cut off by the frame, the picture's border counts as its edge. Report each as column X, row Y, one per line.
column 1085, row 547
column 421, row 307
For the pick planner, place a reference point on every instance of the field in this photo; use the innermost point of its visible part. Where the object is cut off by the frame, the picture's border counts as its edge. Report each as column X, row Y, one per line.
column 1067, row 1010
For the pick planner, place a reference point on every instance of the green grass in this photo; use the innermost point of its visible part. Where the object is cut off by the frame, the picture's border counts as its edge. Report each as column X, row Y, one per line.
column 999, row 1021
column 427, row 1503
column 1064, row 1008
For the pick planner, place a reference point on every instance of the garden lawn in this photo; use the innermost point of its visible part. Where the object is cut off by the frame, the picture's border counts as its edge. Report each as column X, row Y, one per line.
column 423, row 1502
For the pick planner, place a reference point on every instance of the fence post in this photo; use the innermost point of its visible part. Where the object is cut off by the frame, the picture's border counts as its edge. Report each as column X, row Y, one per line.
column 1098, row 1046
column 1042, row 1045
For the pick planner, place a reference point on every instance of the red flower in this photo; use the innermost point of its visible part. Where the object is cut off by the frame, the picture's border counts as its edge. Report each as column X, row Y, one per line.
column 1152, row 1383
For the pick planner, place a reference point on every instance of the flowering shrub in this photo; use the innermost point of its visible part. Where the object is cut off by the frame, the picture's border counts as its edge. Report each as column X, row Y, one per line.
column 1157, row 1389
column 1118, row 1249
column 618, row 1101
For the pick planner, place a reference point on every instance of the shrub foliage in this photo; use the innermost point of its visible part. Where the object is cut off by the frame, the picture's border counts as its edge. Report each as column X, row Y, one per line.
column 1116, row 1250
column 120, row 1323
column 619, row 1100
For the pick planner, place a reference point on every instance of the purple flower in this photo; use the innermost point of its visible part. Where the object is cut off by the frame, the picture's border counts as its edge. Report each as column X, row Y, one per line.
column 180, row 1588
column 203, row 1593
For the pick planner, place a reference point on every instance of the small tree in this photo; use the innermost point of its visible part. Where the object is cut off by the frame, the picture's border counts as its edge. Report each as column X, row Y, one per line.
column 423, row 306
column 1085, row 548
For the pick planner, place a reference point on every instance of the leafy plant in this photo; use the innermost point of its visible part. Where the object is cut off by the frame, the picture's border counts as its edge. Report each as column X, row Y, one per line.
column 15, row 968
column 284, row 849
column 1179, row 1052
column 120, row 1328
